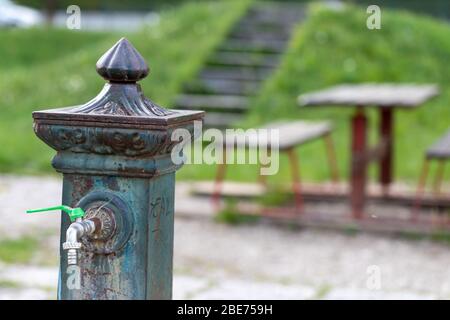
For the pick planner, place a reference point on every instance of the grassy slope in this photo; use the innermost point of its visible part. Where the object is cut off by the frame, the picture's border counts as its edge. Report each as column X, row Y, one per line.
column 335, row 47
column 59, row 70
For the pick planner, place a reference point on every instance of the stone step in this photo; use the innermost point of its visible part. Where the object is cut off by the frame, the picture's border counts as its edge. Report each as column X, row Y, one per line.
column 276, row 12
column 222, row 87
column 254, row 45
column 251, row 35
column 282, row 19
column 236, row 73
column 221, row 119
column 248, row 56
column 244, row 59
column 271, row 21
column 263, row 27
column 214, row 102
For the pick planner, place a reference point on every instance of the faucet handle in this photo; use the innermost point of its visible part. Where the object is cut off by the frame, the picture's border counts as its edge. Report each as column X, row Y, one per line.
column 74, row 213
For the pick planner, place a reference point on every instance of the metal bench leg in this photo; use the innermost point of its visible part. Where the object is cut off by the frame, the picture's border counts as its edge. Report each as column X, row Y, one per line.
column 439, row 177
column 220, row 175
column 296, row 187
column 420, row 189
column 331, row 153
column 262, row 179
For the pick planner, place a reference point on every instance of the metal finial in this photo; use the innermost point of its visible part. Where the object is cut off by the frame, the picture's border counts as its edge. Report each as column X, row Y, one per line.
column 123, row 66
column 122, row 63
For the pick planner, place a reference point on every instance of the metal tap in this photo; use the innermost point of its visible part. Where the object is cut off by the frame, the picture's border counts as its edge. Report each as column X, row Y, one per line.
column 80, row 227
column 74, row 233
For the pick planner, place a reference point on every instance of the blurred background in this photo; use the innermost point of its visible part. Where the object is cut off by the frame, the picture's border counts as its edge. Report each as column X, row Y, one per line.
column 309, row 46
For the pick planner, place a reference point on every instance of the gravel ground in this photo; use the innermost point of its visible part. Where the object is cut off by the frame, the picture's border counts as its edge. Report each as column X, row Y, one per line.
column 258, row 261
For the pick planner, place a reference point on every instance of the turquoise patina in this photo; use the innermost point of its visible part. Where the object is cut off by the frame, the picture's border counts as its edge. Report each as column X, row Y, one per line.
column 115, row 156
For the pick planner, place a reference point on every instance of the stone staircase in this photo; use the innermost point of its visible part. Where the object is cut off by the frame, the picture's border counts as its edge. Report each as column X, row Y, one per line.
column 236, row 70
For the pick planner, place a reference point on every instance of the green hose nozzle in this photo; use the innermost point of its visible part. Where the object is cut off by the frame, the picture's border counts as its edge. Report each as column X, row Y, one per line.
column 73, row 213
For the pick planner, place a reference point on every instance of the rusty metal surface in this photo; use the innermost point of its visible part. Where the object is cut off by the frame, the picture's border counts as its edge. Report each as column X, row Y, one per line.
column 115, row 154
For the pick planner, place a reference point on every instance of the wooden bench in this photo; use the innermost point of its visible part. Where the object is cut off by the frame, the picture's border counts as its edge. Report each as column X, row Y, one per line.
column 291, row 134
column 440, row 152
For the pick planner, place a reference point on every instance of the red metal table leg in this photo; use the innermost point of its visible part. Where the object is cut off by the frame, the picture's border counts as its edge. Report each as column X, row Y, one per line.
column 358, row 163
column 386, row 137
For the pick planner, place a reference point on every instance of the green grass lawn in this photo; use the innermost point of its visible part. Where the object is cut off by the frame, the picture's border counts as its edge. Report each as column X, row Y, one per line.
column 22, row 49
column 334, row 47
column 47, row 68
column 53, row 68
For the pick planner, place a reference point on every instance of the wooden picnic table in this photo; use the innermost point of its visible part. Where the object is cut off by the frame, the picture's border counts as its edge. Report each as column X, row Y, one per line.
column 385, row 97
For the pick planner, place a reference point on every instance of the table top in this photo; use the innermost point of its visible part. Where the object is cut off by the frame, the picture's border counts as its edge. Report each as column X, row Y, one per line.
column 371, row 95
